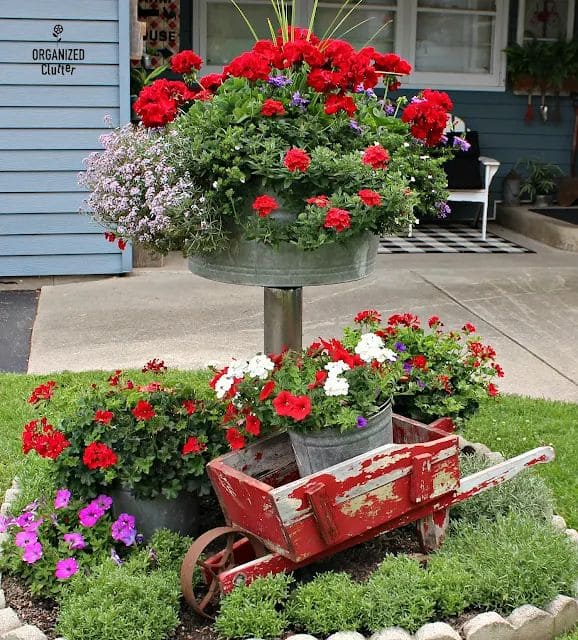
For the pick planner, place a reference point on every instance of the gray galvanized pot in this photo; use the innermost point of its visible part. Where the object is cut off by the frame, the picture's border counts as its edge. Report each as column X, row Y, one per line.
column 254, row 263
column 321, row 449
column 180, row 514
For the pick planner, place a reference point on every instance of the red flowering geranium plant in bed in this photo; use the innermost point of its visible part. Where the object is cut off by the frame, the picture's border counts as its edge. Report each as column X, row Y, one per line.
column 150, row 437
column 301, row 124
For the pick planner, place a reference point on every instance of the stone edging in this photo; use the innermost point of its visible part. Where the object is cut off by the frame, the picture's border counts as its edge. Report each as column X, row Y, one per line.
column 524, row 623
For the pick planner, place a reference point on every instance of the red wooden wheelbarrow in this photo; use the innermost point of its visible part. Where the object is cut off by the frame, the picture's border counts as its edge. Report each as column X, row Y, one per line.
column 277, row 521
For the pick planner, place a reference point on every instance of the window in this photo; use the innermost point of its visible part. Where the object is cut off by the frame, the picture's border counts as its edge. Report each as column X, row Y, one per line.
column 452, row 44
column 545, row 20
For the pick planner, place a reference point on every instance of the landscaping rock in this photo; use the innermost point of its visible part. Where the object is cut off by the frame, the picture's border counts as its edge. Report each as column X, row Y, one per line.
column 559, row 522
column 481, row 449
column 8, row 621
column 27, row 632
column 391, row 633
column 346, row 635
column 302, row 636
column 489, row 626
column 437, row 631
column 495, row 457
column 565, row 613
column 572, row 534
column 532, row 623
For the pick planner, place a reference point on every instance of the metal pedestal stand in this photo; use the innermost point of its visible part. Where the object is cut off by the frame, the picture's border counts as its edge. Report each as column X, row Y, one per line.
column 283, row 318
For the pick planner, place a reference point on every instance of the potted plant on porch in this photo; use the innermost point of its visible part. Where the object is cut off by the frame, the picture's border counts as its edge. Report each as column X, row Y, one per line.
column 541, row 182
column 333, row 399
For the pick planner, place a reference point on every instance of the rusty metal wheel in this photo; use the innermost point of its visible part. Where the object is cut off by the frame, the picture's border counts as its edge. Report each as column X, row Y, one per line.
column 213, row 566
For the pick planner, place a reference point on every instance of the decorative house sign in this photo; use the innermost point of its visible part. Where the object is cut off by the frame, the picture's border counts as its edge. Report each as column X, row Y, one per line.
column 162, row 28
column 545, row 20
column 57, row 60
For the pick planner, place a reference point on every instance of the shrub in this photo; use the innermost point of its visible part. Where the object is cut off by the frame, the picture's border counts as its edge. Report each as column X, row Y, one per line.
column 255, row 610
column 526, row 494
column 503, row 564
column 120, row 602
column 167, row 549
column 397, row 594
column 330, row 602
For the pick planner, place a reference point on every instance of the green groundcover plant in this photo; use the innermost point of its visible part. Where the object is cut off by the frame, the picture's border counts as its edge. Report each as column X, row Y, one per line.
column 150, row 438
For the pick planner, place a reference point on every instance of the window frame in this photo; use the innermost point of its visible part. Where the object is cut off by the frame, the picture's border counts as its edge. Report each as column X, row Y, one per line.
column 522, row 20
column 405, row 37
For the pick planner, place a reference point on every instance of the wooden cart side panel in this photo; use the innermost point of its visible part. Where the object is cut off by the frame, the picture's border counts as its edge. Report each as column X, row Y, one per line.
column 247, row 504
column 380, row 489
column 408, row 431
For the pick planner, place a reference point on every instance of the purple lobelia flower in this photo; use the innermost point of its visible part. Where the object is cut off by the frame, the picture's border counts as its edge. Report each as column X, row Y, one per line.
column 420, row 384
column 443, row 209
column 407, row 366
column 390, row 110
column 90, row 515
column 461, row 144
column 32, row 553
column 62, row 498
column 399, row 346
column 75, row 540
column 355, row 126
column 279, row 81
column 66, row 568
column 298, row 101
column 124, row 529
column 361, row 422
column 115, row 557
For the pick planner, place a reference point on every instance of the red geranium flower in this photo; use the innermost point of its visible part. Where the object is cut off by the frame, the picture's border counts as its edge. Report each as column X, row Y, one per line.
column 121, row 244
column 98, row 456
column 235, row 438
column 283, row 403
column 253, row 425
column 391, row 62
column 273, row 108
column 104, row 417
column 155, row 365
column 114, row 378
column 469, row 328
column 498, row 369
column 335, row 103
column 337, row 219
column 192, row 445
column 369, row 315
column 250, row 65
column 265, row 205
column 42, row 392
column 493, row 390
column 319, row 201
column 297, row 160
column 376, row 157
column 44, row 439
column 267, row 390
column 301, row 408
column 143, row 410
column 419, row 362
column 185, row 61
column 434, row 321
column 190, row 407
column 370, row 198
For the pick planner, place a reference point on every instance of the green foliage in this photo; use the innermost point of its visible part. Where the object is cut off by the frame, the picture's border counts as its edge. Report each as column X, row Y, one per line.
column 120, row 602
column 541, row 178
column 149, row 450
column 503, row 564
column 397, row 594
column 168, row 549
column 255, row 610
column 525, row 494
column 549, row 64
column 330, row 602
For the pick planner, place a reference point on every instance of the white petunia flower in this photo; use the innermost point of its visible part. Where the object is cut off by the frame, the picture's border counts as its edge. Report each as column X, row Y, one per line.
column 259, row 366
column 237, row 368
column 370, row 347
column 336, row 386
column 222, row 386
column 335, row 368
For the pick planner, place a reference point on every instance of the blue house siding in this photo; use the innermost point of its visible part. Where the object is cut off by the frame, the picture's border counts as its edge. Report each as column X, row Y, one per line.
column 49, row 124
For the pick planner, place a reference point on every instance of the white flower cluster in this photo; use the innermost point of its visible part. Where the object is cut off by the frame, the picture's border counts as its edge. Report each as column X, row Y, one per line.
column 258, row 366
column 370, row 348
column 336, row 384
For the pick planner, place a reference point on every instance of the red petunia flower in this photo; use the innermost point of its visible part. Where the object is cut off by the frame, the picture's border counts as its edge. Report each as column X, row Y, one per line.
column 267, row 390
column 434, row 321
column 217, row 377
column 190, row 407
column 109, row 236
column 419, row 362
column 121, row 244
column 376, row 157
column 337, row 219
column 369, row 197
column 283, row 403
column 104, row 417
column 231, row 414
column 297, row 160
column 319, row 201
column 301, row 408
column 192, row 445
column 273, row 108
column 369, row 315
column 253, row 425
column 265, row 205
column 42, row 392
column 320, row 378
column 235, row 439
column 493, row 390
column 143, row 410
column 98, row 456
column 185, row 61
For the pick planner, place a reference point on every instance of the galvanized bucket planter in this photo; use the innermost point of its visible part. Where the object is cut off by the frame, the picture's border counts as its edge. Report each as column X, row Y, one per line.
column 181, row 514
column 253, row 263
column 318, row 450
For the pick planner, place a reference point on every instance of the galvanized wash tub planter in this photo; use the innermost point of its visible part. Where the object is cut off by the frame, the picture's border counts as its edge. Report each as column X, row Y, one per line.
column 180, row 514
column 251, row 262
column 322, row 449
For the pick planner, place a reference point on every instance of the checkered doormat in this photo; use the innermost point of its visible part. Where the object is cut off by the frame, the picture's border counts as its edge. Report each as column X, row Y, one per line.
column 455, row 238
